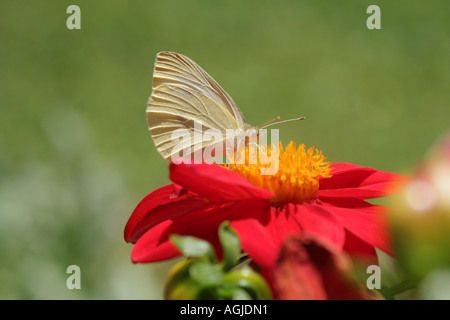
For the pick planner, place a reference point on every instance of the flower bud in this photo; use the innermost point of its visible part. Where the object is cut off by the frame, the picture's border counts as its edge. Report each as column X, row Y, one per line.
column 421, row 215
column 180, row 285
column 250, row 281
column 202, row 276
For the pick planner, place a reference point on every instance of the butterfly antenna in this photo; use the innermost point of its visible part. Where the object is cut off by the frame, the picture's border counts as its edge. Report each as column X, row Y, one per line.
column 271, row 122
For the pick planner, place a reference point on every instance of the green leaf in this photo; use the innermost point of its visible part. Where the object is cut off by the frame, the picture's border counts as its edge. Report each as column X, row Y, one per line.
column 193, row 247
column 206, row 274
column 230, row 244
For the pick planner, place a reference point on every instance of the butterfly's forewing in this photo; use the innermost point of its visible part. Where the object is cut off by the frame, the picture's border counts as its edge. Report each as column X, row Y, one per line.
column 183, row 94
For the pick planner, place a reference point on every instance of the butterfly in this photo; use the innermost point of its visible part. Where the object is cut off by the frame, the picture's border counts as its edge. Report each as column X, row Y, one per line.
column 185, row 98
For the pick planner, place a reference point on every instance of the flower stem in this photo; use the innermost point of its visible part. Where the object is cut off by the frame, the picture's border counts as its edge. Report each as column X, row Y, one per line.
column 390, row 292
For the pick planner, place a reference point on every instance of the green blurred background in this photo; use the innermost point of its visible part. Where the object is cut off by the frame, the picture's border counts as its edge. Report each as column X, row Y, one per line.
column 75, row 153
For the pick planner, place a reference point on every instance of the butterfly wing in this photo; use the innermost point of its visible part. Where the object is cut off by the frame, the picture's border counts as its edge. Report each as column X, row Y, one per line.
column 184, row 94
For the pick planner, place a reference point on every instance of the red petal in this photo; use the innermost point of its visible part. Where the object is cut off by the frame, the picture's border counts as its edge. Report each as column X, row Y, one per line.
column 353, row 181
column 154, row 208
column 317, row 222
column 263, row 238
column 161, row 213
column 149, row 249
column 256, row 242
column 156, row 198
column 280, row 223
column 367, row 222
column 359, row 250
column 201, row 222
column 215, row 183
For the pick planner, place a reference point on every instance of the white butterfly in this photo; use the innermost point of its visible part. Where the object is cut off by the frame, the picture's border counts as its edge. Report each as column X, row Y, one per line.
column 187, row 99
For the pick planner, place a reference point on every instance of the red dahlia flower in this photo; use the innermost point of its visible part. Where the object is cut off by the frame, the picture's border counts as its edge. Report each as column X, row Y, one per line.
column 305, row 196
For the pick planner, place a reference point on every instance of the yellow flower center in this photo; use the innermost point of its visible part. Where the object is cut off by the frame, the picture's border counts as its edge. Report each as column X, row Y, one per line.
column 294, row 179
